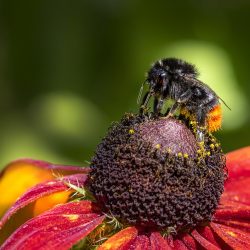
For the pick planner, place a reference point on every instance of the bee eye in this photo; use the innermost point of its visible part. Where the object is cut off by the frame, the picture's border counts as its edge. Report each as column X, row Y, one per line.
column 160, row 80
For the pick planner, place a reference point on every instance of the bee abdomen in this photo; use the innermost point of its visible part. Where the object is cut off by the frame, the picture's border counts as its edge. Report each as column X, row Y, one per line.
column 214, row 118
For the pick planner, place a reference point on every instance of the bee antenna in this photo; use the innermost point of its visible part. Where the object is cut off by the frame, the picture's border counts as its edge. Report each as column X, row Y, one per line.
column 140, row 92
column 224, row 103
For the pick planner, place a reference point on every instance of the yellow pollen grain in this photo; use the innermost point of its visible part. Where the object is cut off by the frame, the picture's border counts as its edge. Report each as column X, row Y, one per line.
column 211, row 146
column 199, row 151
column 208, row 153
column 179, row 154
column 131, row 131
column 185, row 155
column 71, row 217
column 158, row 146
column 232, row 233
column 217, row 145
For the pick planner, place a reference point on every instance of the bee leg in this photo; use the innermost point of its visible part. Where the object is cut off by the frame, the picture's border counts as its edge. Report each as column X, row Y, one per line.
column 158, row 103
column 201, row 120
column 172, row 110
column 145, row 101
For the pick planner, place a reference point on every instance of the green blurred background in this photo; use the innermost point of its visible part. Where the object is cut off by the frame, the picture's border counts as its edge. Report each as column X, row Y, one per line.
column 70, row 68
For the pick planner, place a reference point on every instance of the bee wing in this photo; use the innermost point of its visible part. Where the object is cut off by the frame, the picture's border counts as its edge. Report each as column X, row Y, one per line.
column 196, row 82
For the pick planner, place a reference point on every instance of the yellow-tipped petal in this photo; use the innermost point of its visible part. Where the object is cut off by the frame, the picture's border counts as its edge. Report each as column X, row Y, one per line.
column 18, row 177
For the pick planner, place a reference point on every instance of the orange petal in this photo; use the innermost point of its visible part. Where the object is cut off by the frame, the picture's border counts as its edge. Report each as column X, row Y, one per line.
column 238, row 163
column 23, row 174
column 120, row 240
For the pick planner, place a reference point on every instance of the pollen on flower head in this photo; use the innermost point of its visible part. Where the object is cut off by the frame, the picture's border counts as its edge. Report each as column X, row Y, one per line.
column 180, row 154
column 131, row 131
column 177, row 185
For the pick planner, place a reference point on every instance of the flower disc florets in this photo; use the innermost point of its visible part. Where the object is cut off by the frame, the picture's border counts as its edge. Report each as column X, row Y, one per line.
column 153, row 173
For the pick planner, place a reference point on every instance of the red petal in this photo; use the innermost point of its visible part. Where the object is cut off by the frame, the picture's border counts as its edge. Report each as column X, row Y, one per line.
column 244, row 226
column 238, row 163
column 85, row 207
column 235, row 238
column 179, row 245
column 238, row 184
column 239, row 196
column 234, row 215
column 237, row 190
column 203, row 242
column 208, row 234
column 55, row 229
column 120, row 240
column 189, row 242
column 141, row 242
column 233, row 211
column 158, row 242
column 42, row 190
column 51, row 166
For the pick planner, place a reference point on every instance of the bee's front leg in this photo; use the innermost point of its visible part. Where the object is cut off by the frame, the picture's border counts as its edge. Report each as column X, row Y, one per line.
column 158, row 103
column 146, row 98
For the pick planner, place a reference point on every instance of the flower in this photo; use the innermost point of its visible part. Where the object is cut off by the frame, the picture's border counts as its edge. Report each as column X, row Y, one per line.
column 120, row 201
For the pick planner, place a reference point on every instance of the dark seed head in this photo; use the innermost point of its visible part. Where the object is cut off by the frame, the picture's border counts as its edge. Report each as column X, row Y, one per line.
column 153, row 172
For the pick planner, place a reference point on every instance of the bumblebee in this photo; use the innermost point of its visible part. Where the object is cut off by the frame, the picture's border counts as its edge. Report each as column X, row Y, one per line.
column 176, row 79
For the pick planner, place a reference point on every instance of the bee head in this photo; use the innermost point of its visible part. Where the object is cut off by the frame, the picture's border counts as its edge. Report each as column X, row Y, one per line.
column 157, row 77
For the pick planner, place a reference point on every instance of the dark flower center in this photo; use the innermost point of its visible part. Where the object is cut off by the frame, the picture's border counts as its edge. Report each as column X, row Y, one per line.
column 153, row 173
